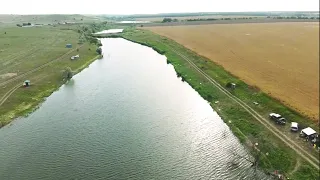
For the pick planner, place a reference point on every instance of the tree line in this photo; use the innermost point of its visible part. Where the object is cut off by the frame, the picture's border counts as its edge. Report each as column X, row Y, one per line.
column 24, row 24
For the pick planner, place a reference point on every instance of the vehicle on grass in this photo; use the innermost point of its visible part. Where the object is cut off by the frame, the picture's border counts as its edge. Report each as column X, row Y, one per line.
column 277, row 118
column 294, row 127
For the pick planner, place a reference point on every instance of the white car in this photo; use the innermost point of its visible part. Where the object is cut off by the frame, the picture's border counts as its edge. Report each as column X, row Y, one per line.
column 294, row 126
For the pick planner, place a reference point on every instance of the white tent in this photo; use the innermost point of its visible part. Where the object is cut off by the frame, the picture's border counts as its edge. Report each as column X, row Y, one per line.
column 308, row 131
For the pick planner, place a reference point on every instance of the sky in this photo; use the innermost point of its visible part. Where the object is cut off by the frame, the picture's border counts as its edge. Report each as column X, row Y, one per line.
column 151, row 6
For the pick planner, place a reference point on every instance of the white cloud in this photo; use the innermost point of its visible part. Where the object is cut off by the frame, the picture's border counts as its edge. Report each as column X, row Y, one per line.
column 150, row 6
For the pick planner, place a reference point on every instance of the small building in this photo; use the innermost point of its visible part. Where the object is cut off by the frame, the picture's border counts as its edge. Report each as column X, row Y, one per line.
column 68, row 45
column 308, row 132
column 26, row 83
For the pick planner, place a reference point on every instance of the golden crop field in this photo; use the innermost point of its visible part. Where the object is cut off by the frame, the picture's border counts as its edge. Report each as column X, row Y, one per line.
column 196, row 17
column 282, row 59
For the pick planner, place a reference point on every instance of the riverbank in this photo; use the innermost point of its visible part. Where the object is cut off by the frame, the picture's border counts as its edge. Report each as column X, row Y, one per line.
column 25, row 108
column 41, row 60
column 275, row 155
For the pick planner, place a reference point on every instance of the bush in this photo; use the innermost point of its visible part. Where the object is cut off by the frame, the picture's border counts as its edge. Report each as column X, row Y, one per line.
column 99, row 51
column 229, row 85
column 67, row 73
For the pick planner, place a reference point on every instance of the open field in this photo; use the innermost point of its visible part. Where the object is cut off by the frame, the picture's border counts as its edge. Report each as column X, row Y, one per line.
column 283, row 150
column 155, row 19
column 45, row 19
column 37, row 54
column 232, row 21
column 282, row 59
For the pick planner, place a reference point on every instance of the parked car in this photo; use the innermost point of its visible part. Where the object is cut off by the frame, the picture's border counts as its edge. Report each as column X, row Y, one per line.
column 294, row 127
column 277, row 118
column 274, row 116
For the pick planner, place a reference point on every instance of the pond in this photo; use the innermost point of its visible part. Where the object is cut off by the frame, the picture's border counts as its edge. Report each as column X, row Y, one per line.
column 127, row 116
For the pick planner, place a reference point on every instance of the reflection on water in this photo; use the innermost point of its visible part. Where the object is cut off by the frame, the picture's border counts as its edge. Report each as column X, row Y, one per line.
column 127, row 116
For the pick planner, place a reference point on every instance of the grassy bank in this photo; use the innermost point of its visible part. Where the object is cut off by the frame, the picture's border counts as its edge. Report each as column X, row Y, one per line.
column 26, row 49
column 275, row 154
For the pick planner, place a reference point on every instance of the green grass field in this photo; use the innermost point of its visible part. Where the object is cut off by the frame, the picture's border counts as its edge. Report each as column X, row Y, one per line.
column 24, row 49
column 12, row 20
column 245, row 127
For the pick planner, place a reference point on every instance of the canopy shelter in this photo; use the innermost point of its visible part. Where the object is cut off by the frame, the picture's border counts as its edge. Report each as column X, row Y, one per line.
column 308, row 131
column 26, row 83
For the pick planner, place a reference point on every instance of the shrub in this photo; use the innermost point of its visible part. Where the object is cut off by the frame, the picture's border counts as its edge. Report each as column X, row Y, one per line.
column 67, row 73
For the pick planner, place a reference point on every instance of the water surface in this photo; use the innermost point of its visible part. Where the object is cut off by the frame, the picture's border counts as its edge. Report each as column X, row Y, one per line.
column 110, row 31
column 127, row 116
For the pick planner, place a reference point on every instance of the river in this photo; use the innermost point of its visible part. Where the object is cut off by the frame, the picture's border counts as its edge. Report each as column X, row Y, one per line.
column 127, row 116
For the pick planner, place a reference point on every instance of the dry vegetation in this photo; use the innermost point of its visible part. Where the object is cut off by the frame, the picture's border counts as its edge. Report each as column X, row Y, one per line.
column 154, row 19
column 282, row 59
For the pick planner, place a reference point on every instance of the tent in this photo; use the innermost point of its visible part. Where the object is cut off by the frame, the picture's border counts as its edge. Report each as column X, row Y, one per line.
column 308, row 131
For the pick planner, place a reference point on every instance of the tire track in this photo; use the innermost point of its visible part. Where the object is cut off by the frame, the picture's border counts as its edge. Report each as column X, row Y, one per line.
column 8, row 94
column 11, row 91
column 304, row 154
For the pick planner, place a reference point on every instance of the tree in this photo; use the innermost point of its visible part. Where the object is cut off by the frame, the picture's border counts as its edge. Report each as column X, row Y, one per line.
column 29, row 24
column 166, row 20
column 93, row 40
column 67, row 73
column 99, row 51
column 229, row 85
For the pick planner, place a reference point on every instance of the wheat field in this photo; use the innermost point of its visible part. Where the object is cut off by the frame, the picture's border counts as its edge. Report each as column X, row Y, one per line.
column 282, row 59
